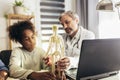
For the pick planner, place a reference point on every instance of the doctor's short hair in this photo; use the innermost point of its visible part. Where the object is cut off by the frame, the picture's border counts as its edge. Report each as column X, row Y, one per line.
column 71, row 14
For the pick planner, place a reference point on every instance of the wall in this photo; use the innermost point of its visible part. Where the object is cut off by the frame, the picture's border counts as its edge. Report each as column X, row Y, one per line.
column 5, row 6
column 70, row 5
column 93, row 17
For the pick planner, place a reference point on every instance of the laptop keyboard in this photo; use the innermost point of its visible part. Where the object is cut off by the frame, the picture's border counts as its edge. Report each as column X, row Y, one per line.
column 71, row 73
column 73, row 76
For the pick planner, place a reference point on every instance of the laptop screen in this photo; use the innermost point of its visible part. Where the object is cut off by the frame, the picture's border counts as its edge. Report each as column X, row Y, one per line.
column 99, row 58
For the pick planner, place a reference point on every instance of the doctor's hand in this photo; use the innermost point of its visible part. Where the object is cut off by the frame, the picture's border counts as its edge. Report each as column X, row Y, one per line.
column 63, row 63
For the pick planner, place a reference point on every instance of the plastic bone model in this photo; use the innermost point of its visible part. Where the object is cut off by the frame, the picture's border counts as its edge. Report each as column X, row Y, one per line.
column 55, row 48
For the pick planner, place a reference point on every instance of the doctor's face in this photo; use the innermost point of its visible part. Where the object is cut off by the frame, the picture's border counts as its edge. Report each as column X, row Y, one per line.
column 69, row 24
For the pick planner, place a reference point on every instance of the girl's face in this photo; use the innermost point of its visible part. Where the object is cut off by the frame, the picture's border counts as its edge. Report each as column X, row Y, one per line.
column 28, row 40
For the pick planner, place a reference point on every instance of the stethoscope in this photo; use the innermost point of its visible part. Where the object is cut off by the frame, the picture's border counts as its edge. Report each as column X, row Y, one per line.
column 77, row 42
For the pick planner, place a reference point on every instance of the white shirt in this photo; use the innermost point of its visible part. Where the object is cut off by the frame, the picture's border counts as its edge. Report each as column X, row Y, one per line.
column 73, row 46
column 23, row 63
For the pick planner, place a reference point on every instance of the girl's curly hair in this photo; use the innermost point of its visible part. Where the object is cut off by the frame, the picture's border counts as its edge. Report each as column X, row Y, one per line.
column 16, row 30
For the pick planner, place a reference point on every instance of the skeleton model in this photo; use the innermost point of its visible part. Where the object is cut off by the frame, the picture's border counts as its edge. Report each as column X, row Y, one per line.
column 55, row 49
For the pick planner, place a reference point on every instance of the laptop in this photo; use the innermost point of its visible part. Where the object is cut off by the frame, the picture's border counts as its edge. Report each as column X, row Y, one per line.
column 99, row 58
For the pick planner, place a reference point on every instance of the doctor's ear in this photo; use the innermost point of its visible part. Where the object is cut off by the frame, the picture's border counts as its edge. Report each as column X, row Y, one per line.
column 77, row 20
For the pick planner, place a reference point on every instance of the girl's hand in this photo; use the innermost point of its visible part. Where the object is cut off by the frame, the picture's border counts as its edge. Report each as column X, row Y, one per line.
column 48, row 61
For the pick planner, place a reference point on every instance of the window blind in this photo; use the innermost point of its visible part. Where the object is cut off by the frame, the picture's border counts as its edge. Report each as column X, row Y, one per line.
column 49, row 14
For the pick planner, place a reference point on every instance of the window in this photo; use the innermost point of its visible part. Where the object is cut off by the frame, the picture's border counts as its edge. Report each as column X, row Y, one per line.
column 109, row 25
column 49, row 13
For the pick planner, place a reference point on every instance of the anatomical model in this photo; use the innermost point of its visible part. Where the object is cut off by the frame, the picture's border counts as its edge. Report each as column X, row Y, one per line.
column 55, row 50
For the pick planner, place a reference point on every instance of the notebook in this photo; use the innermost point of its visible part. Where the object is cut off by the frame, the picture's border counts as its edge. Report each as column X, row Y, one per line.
column 99, row 58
